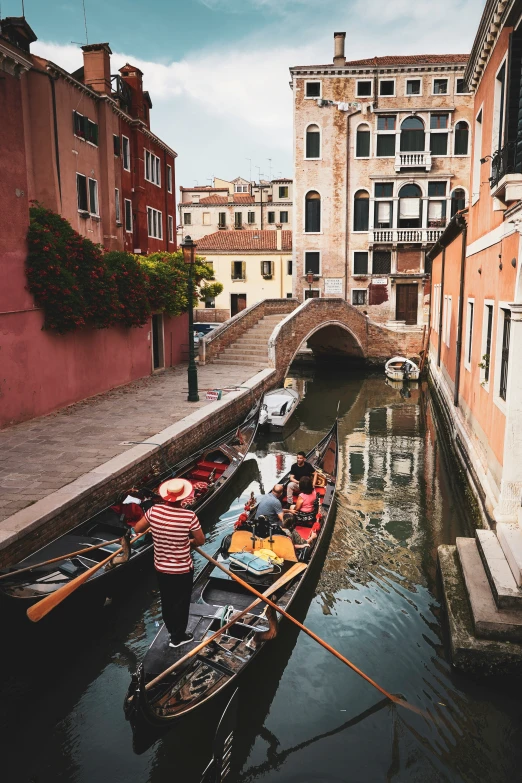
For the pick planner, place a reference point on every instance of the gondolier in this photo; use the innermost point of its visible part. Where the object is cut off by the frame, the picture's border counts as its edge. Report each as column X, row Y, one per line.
column 174, row 530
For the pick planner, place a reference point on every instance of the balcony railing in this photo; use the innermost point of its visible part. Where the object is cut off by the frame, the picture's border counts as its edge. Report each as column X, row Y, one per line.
column 502, row 163
column 121, row 91
column 424, row 236
column 413, row 160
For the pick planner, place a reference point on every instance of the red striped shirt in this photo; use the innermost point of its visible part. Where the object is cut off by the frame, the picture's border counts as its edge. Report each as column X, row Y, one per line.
column 170, row 528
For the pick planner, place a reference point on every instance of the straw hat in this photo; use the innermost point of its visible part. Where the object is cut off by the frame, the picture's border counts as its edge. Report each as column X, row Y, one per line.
column 175, row 490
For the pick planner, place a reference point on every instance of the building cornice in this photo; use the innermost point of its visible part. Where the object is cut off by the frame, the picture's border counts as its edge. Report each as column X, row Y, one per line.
column 381, row 71
column 13, row 62
column 493, row 20
column 185, row 204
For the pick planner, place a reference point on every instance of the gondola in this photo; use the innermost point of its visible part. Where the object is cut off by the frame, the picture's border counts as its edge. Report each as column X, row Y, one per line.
column 214, row 596
column 209, row 470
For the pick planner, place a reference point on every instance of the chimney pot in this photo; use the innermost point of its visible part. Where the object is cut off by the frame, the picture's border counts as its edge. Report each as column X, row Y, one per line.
column 279, row 236
column 230, row 198
column 97, row 67
column 339, row 58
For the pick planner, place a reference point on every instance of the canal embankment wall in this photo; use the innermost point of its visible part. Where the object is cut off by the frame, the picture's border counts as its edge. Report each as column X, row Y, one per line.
column 456, row 422
column 34, row 526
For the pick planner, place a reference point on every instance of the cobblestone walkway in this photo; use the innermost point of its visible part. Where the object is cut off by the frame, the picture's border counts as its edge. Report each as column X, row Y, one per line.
column 40, row 456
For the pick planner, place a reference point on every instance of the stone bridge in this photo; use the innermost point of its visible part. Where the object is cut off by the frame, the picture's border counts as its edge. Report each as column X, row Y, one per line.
column 330, row 327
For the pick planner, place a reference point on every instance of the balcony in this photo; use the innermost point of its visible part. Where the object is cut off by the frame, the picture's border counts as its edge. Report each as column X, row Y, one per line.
column 413, row 160
column 505, row 180
column 121, row 91
column 423, row 236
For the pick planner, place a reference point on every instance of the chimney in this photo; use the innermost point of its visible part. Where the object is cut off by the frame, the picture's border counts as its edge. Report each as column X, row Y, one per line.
column 97, row 67
column 230, row 198
column 133, row 77
column 339, row 58
column 279, row 236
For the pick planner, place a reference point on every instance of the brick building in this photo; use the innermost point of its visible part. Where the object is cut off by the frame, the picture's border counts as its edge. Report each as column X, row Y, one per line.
column 381, row 155
column 81, row 145
column 476, row 324
column 236, row 205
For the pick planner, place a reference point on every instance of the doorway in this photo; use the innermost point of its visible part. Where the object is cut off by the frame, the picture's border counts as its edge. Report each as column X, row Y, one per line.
column 406, row 303
column 158, row 353
column 238, row 302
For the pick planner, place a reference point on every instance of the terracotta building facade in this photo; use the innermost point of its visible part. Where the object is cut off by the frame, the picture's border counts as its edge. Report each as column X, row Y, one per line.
column 476, row 323
column 381, row 155
column 81, row 145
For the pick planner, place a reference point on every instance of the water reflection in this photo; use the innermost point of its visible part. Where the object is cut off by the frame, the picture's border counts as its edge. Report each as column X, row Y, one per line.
column 303, row 715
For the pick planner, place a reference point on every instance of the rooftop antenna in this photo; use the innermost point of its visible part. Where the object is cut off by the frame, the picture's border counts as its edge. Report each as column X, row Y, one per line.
column 269, row 168
column 23, row 10
column 259, row 173
column 250, row 162
column 84, row 21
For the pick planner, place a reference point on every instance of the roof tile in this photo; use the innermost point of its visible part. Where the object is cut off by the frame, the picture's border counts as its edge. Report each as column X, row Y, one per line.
column 402, row 59
column 236, row 240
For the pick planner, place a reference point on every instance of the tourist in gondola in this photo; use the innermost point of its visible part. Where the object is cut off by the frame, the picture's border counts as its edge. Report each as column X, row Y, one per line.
column 305, row 506
column 270, row 506
column 289, row 523
column 299, row 469
column 174, row 531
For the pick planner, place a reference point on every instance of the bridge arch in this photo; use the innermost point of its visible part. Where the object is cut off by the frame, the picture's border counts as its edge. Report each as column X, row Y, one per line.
column 358, row 351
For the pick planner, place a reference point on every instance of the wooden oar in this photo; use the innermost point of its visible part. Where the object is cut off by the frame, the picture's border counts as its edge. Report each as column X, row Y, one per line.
column 47, row 604
column 310, row 633
column 17, row 571
column 292, row 572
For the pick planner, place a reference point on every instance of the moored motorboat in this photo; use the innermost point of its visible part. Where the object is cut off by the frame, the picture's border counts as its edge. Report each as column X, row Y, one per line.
column 209, row 471
column 156, row 701
column 277, row 407
column 402, row 369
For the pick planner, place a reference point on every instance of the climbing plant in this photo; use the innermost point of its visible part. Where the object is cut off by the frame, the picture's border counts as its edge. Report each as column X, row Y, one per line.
column 131, row 282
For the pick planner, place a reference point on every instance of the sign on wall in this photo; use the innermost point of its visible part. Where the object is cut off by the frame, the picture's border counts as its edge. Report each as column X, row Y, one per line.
column 379, row 281
column 333, row 285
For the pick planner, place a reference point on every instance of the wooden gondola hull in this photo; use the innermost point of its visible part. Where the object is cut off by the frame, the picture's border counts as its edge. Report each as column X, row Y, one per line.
column 212, row 671
column 21, row 592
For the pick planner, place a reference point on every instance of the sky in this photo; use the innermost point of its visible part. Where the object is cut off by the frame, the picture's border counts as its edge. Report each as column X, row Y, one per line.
column 217, row 70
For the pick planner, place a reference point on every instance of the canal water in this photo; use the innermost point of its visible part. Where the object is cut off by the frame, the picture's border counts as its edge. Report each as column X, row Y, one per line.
column 303, row 715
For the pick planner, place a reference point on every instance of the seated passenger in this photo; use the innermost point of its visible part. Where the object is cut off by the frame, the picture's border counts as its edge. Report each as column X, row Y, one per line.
column 289, row 523
column 305, row 506
column 270, row 506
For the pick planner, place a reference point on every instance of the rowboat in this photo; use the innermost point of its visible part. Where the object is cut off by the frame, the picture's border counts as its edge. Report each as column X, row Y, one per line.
column 215, row 596
column 209, row 470
column 401, row 369
column 277, row 407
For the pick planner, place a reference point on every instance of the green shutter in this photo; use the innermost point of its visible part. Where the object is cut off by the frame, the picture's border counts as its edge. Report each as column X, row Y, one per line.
column 243, row 270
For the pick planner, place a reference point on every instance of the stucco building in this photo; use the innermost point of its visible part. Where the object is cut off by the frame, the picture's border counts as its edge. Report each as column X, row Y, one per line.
column 81, row 145
column 251, row 265
column 236, row 205
column 476, row 323
column 381, row 156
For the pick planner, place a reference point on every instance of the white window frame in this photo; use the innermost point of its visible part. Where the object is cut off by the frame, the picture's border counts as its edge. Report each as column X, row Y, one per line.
column 497, row 399
column 117, row 205
column 439, row 79
column 384, row 200
column 361, row 274
column 362, row 81
column 436, row 308
column 128, row 230
column 169, row 178
column 313, row 97
column 153, row 165
column 469, row 336
column 242, row 188
column 123, row 156
column 170, row 221
column 454, row 129
column 446, row 322
column 457, row 78
column 359, row 305
column 96, row 213
column 363, row 231
column 363, row 157
column 155, row 221
column 316, row 274
column 82, row 211
column 316, row 124
column 413, row 79
column 495, row 120
column 393, row 133
column 388, row 79
column 487, row 303
column 476, row 166
column 447, row 130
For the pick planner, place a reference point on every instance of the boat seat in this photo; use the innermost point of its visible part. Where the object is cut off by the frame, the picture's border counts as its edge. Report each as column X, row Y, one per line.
column 281, row 545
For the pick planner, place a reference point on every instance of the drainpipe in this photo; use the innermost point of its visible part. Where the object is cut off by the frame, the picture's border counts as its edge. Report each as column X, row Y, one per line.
column 167, row 201
column 439, row 346
column 261, row 196
column 461, row 309
column 52, row 80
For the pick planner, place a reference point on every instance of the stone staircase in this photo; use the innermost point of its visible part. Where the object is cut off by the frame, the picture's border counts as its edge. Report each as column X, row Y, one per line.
column 251, row 349
column 487, row 571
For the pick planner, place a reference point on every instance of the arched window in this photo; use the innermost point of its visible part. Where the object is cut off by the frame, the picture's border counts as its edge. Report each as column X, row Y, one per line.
column 361, row 210
column 461, row 138
column 362, row 142
column 312, row 212
column 412, row 135
column 313, row 141
column 410, row 215
column 458, row 201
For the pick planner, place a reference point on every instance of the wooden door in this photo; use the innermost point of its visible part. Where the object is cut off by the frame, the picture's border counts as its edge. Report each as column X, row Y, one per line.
column 406, row 303
column 238, row 302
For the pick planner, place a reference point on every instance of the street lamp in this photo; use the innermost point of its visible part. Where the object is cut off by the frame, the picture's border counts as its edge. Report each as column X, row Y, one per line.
column 189, row 252
column 309, row 280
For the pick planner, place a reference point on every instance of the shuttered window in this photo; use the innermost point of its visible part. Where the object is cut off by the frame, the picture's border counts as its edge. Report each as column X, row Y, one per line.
column 360, row 262
column 116, row 145
column 504, row 361
column 81, row 190
column 461, row 138
column 266, row 268
column 117, row 206
column 313, row 142
column 238, row 270
column 238, row 220
column 362, row 147
column 128, row 214
column 361, row 211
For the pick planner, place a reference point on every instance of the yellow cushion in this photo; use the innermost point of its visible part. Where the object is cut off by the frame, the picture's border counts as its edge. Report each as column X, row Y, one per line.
column 281, row 545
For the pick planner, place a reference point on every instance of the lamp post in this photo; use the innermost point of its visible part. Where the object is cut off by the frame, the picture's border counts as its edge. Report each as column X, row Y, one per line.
column 309, row 280
column 189, row 251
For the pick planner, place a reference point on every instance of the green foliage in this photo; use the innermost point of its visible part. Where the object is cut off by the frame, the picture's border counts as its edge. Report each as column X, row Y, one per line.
column 77, row 284
column 210, row 291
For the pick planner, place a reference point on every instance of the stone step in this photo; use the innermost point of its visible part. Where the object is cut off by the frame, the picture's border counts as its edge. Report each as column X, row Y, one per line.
column 237, row 353
column 489, row 621
column 257, row 365
column 510, row 539
column 500, row 577
column 249, row 341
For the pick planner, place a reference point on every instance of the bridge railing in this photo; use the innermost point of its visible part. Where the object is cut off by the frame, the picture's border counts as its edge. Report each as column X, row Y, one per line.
column 218, row 339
